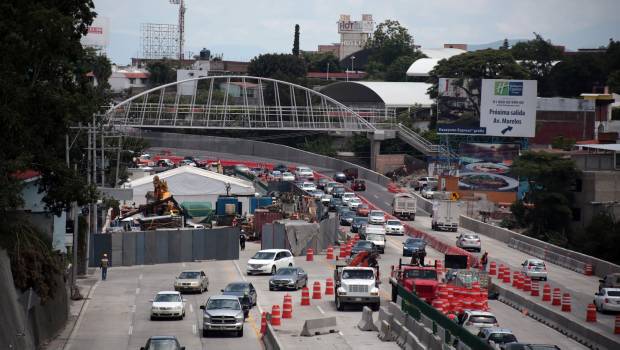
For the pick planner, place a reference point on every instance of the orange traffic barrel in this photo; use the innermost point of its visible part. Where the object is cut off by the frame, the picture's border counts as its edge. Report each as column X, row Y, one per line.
column 275, row 315
column 305, row 296
column 329, row 286
column 557, row 301
column 566, row 302
column 591, row 313
column 310, row 254
column 316, row 290
column 287, row 306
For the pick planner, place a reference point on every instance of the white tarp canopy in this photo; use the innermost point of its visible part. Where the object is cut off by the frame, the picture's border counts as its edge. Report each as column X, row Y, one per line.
column 614, row 147
column 422, row 66
column 391, row 94
column 189, row 183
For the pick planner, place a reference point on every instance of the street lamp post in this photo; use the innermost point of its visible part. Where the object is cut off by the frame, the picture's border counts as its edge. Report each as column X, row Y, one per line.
column 327, row 76
column 353, row 63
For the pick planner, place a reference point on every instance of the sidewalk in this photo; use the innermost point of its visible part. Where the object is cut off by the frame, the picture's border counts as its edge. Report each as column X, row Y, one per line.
column 85, row 285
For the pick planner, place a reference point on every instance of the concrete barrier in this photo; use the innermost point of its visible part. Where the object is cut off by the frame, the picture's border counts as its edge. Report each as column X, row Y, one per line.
column 384, row 315
column 367, row 323
column 270, row 340
column 396, row 328
column 601, row 267
column 401, row 336
column 562, row 322
column 319, row 326
column 385, row 332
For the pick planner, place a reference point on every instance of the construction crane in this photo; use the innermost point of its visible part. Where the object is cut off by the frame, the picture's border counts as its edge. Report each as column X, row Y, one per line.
column 181, row 4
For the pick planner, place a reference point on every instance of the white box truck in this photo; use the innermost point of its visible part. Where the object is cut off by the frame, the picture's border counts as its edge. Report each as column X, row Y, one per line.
column 375, row 234
column 404, row 206
column 445, row 215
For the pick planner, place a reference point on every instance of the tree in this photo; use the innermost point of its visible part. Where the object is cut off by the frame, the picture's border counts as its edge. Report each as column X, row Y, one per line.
column 606, row 231
column 538, row 56
column 389, row 41
column 613, row 81
column 318, row 61
column 505, row 45
column 296, row 41
column 578, row 74
column 397, row 71
column 278, row 66
column 550, row 178
column 161, row 72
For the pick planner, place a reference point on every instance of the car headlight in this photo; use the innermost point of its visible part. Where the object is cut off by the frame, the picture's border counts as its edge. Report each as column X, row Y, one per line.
column 206, row 318
column 179, row 307
column 342, row 291
column 374, row 291
column 239, row 317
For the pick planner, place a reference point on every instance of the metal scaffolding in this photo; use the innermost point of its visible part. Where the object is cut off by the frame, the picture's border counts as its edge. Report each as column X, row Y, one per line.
column 159, row 40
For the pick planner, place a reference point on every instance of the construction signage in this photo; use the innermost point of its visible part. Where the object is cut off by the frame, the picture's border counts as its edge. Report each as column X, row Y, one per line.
column 508, row 107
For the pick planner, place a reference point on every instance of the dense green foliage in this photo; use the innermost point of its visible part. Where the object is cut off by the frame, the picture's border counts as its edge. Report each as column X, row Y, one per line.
column 600, row 238
column 284, row 67
column 296, row 41
column 162, row 72
column 318, row 61
column 538, row 56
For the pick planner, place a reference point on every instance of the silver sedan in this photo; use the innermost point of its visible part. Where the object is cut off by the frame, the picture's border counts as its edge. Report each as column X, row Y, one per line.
column 191, row 281
column 288, row 278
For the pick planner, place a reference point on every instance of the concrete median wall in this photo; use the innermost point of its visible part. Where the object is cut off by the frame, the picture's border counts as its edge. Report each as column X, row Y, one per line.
column 270, row 340
column 601, row 267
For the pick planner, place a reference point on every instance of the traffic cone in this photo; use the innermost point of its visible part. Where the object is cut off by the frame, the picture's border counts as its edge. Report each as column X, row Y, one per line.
column 287, row 306
column 588, row 270
column 316, row 290
column 520, row 280
column 617, row 325
column 557, row 301
column 527, row 283
column 566, row 303
column 310, row 254
column 500, row 274
column 329, row 286
column 535, row 291
column 330, row 253
column 546, row 293
column 439, row 266
column 506, row 276
column 492, row 268
column 515, row 279
column 305, row 296
column 591, row 313
column 263, row 323
column 275, row 315
column 343, row 251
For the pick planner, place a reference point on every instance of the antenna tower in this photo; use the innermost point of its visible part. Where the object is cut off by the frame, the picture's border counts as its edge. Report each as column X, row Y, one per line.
column 182, row 8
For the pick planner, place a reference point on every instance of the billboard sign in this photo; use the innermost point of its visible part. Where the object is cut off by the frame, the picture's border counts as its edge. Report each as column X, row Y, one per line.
column 486, row 167
column 490, row 107
column 98, row 33
column 508, row 107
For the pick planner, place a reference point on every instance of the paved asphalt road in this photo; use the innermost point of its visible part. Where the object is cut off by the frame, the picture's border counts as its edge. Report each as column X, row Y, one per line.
column 117, row 316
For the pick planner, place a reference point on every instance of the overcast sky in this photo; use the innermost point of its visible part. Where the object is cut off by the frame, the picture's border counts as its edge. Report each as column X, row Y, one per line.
column 242, row 29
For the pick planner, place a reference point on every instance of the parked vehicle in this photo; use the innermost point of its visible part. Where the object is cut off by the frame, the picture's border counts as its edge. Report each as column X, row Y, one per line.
column 469, row 241
column 326, row 199
column 167, row 342
column 421, row 280
column 338, row 191
column 394, row 227
column 611, row 280
column 376, row 217
column 358, row 223
column 196, row 281
column 289, row 278
column 330, row 186
column 334, row 203
column 347, row 196
column 351, row 173
column 276, row 175
column 222, row 313
column 287, row 176
column 243, row 169
column 364, row 246
column 304, row 173
column 607, row 299
column 246, row 293
column 308, row 186
column 346, row 218
column 358, row 185
column 362, row 210
column 429, row 181
column 165, row 163
column 474, row 320
column 496, row 335
column 375, row 234
column 413, row 246
column 318, row 194
column 428, row 192
column 528, row 346
column 168, row 304
column 445, row 215
column 404, row 206
column 356, row 285
column 354, row 203
column 534, row 268
column 269, row 261
column 340, row 177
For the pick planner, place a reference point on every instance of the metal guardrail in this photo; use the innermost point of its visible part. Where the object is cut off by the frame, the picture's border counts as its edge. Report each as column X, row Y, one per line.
column 546, row 255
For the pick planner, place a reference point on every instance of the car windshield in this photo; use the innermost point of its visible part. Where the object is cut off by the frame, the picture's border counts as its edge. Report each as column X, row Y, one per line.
column 613, row 293
column 360, row 220
column 358, row 274
column 414, row 241
column 264, row 256
column 423, row 274
column 189, row 275
column 167, row 298
column 286, row 272
column 237, row 287
column 163, row 344
column 470, row 236
column 394, row 222
column 483, row 319
column 363, row 244
column 502, row 338
column 338, row 189
column 375, row 237
column 287, row 174
column 348, row 214
column 216, row 304
column 537, row 263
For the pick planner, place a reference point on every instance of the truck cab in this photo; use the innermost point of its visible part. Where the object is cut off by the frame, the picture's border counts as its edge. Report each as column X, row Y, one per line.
column 375, row 234
column 420, row 280
column 356, row 285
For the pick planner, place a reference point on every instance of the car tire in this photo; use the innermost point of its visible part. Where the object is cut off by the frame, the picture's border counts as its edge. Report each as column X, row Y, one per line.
column 152, row 318
column 598, row 309
column 240, row 333
column 376, row 306
column 205, row 333
column 544, row 278
column 339, row 304
column 270, row 288
column 273, row 270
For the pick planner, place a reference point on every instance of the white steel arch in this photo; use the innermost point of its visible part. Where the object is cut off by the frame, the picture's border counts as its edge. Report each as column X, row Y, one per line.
column 239, row 102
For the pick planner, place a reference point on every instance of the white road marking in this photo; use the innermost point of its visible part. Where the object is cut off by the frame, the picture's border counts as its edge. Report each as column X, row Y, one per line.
column 374, row 195
column 320, row 310
column 260, row 309
column 133, row 308
column 137, row 290
column 388, row 204
column 183, row 264
column 194, row 329
column 140, row 277
column 191, row 308
column 130, row 330
column 76, row 327
column 340, row 332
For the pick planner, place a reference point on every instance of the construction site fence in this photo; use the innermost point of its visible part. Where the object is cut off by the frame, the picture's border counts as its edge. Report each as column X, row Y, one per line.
column 437, row 321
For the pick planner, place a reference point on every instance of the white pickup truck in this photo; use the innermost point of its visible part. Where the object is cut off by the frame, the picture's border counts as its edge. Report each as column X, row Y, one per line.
column 356, row 285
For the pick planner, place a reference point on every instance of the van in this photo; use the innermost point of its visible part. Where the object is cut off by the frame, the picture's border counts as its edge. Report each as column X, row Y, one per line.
column 375, row 234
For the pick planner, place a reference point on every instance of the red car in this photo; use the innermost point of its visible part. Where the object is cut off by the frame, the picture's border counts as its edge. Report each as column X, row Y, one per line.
column 362, row 210
column 358, row 185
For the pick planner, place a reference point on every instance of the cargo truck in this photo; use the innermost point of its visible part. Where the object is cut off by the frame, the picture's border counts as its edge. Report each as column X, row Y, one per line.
column 445, row 215
column 404, row 206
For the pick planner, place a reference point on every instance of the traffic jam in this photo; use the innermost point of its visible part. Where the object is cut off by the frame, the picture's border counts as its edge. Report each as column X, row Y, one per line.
column 455, row 282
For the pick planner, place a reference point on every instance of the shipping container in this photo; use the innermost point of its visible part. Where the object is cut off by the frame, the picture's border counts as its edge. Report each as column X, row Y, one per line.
column 261, row 217
column 260, row 202
column 227, row 206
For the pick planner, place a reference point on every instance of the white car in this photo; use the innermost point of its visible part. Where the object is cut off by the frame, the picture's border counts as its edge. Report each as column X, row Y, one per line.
column 330, row 186
column 308, row 186
column 376, row 217
column 354, row 203
column 168, row 304
column 468, row 241
column 347, row 196
column 429, row 192
column 326, row 199
column 303, row 172
column 607, row 299
column 187, row 162
column 474, row 320
column 394, row 227
column 276, row 175
column 269, row 261
column 286, row 176
column 534, row 268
